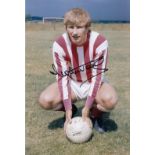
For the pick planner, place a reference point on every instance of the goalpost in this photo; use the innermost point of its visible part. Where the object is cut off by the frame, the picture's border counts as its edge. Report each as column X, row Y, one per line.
column 52, row 19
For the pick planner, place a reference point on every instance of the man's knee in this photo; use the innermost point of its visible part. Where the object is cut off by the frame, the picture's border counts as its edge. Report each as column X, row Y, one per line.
column 45, row 101
column 109, row 101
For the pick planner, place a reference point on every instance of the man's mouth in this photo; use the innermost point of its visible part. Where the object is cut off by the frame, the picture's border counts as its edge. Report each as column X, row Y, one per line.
column 75, row 37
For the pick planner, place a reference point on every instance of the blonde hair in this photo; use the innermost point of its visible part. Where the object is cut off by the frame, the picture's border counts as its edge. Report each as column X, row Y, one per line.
column 77, row 16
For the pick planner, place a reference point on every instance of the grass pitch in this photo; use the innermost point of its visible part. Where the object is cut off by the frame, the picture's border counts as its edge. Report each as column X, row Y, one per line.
column 44, row 134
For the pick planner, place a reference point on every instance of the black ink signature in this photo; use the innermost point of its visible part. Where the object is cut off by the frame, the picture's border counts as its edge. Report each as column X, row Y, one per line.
column 92, row 64
column 103, row 70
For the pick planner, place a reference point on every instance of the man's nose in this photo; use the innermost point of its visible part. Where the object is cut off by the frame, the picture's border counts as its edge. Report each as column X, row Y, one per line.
column 74, row 31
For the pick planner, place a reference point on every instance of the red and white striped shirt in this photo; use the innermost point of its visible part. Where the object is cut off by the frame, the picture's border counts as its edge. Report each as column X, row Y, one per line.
column 85, row 63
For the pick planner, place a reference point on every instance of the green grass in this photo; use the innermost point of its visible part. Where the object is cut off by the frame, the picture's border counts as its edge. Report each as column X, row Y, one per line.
column 44, row 135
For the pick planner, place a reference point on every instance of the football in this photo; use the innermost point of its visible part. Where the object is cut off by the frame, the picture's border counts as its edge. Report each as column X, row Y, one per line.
column 79, row 131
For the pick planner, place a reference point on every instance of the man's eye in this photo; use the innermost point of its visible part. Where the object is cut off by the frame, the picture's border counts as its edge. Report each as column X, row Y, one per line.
column 79, row 27
column 71, row 27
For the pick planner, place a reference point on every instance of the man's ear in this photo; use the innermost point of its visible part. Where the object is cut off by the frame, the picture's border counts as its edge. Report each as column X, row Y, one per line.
column 88, row 29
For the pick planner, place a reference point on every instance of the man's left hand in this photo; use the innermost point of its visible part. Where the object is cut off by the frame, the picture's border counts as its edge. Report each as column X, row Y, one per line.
column 85, row 116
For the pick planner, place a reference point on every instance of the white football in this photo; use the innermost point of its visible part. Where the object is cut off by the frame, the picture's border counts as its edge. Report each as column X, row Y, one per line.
column 78, row 131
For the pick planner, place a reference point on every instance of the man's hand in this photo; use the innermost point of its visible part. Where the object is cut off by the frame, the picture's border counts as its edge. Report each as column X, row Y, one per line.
column 85, row 112
column 85, row 116
column 68, row 118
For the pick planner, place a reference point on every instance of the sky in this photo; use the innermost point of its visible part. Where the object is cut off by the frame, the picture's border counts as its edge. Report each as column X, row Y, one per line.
column 98, row 9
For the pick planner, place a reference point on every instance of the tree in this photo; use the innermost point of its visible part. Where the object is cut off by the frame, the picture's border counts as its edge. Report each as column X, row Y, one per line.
column 28, row 17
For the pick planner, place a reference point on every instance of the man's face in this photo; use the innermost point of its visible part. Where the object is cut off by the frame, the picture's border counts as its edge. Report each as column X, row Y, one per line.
column 77, row 33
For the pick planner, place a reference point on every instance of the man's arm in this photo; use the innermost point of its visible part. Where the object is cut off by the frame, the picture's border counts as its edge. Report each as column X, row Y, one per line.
column 100, row 64
column 63, row 80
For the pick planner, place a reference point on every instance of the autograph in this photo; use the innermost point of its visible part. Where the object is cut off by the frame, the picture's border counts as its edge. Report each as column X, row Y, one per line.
column 92, row 64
